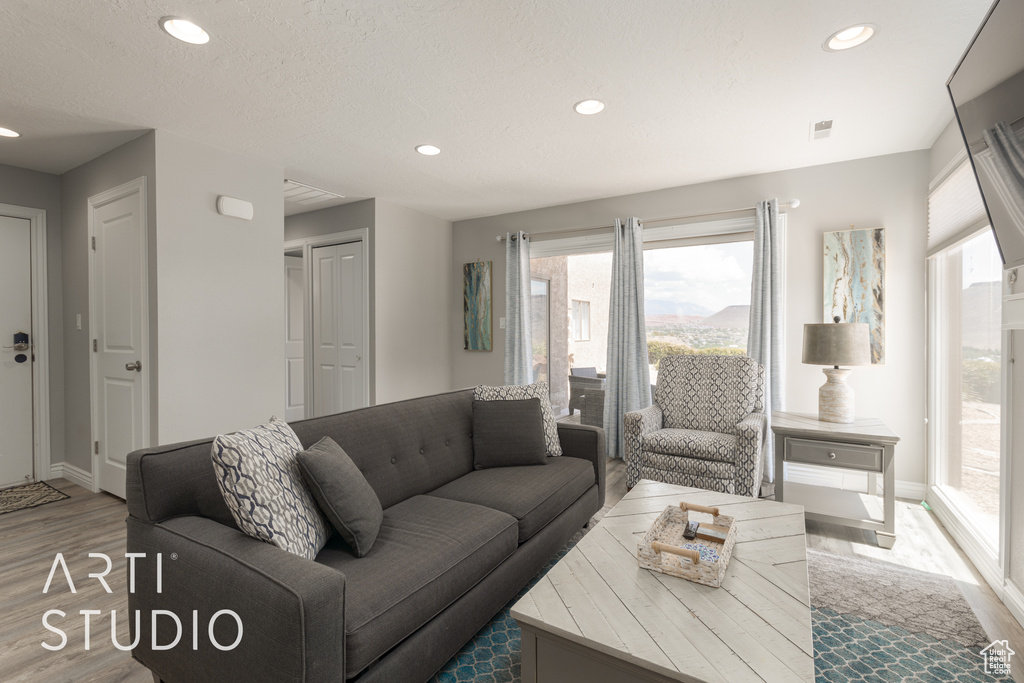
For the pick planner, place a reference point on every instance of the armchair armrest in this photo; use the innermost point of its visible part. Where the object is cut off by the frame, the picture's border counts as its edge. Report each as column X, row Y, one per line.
column 635, row 425
column 582, row 441
column 750, row 433
column 292, row 609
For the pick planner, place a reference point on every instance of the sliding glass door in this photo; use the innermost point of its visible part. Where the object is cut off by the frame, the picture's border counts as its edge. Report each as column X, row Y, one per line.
column 966, row 373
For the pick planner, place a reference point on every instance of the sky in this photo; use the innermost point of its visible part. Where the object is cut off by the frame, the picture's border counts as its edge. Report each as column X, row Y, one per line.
column 711, row 275
column 981, row 261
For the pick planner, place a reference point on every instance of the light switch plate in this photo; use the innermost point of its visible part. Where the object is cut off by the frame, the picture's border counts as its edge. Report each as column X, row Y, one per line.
column 501, row 323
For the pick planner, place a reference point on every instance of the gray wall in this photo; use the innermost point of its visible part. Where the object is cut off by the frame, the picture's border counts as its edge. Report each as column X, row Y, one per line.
column 36, row 190
column 888, row 191
column 352, row 216
column 220, row 292
column 118, row 166
column 413, row 276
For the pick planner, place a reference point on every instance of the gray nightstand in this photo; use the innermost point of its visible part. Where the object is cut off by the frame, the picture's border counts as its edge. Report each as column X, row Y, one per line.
column 865, row 445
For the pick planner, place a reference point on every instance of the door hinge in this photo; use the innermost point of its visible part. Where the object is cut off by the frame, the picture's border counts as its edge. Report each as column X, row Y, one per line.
column 94, row 243
column 96, row 447
column 95, row 346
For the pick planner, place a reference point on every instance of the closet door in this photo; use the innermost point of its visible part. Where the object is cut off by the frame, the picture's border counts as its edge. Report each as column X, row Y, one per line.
column 339, row 371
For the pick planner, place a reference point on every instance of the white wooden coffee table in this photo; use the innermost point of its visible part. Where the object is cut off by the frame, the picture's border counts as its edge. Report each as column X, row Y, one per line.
column 597, row 616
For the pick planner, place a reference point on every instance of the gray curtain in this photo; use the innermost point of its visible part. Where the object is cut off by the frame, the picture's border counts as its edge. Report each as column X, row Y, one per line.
column 518, row 344
column 764, row 342
column 1008, row 162
column 628, row 383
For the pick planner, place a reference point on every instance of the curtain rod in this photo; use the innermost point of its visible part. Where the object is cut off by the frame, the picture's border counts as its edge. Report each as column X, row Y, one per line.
column 792, row 204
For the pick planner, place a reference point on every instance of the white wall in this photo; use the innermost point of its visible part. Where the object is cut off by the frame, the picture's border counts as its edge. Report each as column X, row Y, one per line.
column 412, row 279
column 887, row 191
column 220, row 294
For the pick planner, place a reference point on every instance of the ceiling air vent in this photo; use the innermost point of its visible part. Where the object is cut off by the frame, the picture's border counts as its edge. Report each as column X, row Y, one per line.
column 821, row 130
column 299, row 197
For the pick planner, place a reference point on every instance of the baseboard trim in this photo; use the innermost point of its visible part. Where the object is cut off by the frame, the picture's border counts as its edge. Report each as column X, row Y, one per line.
column 977, row 552
column 73, row 474
column 1014, row 601
column 845, row 479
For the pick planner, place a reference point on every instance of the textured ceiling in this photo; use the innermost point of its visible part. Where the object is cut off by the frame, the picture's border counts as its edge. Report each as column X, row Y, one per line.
column 338, row 94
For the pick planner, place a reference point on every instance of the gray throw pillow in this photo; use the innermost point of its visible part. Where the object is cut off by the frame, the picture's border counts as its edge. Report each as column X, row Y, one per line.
column 518, row 392
column 343, row 493
column 508, row 433
column 258, row 476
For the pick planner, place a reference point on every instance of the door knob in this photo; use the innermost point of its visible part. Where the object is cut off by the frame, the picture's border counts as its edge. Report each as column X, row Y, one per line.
column 136, row 366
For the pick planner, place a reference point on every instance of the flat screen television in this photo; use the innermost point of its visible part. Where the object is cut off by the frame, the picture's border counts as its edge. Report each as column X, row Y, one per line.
column 987, row 88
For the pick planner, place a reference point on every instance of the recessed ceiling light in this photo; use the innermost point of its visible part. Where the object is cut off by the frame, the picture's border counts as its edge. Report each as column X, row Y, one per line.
column 8, row 133
column 429, row 150
column 185, row 30
column 588, row 107
column 850, row 37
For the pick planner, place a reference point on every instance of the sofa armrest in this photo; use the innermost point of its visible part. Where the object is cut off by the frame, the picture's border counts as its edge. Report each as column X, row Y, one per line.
column 292, row 609
column 750, row 434
column 635, row 425
column 583, row 441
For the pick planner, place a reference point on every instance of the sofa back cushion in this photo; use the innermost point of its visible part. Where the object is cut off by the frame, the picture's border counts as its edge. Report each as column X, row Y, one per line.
column 707, row 393
column 403, row 449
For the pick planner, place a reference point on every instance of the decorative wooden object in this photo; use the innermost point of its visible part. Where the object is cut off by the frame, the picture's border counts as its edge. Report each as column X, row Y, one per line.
column 702, row 560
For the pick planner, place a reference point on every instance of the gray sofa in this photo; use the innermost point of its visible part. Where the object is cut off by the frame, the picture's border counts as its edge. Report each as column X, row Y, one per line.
column 455, row 545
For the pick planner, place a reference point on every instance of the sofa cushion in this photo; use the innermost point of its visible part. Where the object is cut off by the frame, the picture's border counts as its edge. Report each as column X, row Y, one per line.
column 342, row 493
column 692, row 444
column 533, row 495
column 429, row 552
column 259, row 478
column 514, row 392
column 508, row 433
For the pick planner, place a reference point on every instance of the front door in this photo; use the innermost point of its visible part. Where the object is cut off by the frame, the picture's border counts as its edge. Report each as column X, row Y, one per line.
column 117, row 226
column 15, row 362
column 339, row 371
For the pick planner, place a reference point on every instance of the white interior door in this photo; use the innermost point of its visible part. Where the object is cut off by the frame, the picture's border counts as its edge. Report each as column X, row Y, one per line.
column 15, row 365
column 294, row 322
column 339, row 371
column 117, row 224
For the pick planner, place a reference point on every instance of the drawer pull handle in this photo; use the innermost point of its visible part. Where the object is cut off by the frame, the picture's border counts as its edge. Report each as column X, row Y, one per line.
column 832, row 456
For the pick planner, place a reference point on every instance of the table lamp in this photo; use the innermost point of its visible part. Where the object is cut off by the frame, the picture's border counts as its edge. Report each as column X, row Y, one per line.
column 836, row 344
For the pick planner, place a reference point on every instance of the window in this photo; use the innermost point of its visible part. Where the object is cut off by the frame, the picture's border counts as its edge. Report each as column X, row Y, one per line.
column 966, row 350
column 697, row 300
column 580, row 320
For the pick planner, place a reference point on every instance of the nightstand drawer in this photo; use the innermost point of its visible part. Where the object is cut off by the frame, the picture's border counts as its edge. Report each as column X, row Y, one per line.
column 856, row 457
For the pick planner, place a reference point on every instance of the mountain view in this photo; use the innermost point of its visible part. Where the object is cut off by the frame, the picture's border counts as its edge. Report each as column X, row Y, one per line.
column 723, row 331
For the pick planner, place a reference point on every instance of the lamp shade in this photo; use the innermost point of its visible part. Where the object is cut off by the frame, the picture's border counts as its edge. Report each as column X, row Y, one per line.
column 836, row 344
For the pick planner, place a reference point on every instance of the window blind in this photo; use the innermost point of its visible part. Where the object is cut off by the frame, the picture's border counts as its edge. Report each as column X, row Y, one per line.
column 955, row 209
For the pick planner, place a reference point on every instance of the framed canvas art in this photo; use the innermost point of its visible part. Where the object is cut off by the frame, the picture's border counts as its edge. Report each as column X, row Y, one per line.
column 476, row 305
column 855, row 282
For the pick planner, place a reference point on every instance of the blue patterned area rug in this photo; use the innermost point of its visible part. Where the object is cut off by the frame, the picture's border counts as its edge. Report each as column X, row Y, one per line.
column 873, row 622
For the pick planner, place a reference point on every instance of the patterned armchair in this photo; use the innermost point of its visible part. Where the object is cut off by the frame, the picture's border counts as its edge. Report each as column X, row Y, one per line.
column 706, row 427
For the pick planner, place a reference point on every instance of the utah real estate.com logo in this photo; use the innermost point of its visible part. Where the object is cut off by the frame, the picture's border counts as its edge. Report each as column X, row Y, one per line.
column 997, row 658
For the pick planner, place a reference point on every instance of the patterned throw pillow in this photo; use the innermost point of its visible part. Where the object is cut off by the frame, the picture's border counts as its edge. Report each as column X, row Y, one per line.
column 514, row 392
column 259, row 477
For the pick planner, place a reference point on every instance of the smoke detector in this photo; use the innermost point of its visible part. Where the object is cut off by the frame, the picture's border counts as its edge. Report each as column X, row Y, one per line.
column 821, row 130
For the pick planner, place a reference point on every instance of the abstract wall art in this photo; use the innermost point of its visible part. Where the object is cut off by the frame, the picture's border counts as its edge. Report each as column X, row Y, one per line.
column 855, row 282
column 476, row 305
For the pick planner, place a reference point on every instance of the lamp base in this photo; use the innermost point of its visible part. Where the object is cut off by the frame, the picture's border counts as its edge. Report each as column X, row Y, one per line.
column 835, row 397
